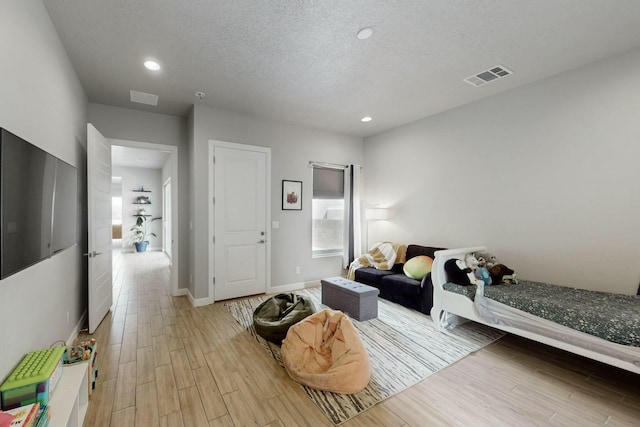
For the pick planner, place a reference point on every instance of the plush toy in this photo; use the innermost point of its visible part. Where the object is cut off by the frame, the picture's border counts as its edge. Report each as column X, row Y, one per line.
column 471, row 261
column 485, row 259
column 500, row 273
column 482, row 273
column 458, row 272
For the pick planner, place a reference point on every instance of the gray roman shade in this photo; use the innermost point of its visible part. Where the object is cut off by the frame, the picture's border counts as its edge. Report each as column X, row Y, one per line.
column 328, row 183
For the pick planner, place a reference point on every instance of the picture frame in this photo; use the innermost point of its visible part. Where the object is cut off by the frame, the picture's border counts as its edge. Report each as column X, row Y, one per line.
column 291, row 195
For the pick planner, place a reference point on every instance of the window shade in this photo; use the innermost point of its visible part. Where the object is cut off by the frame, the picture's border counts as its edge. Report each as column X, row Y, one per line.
column 328, row 183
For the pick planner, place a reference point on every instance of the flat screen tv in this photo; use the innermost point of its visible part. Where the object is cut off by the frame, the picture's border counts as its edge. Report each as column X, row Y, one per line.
column 38, row 204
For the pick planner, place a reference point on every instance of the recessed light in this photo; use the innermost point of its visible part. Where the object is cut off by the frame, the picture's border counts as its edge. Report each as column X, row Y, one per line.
column 151, row 65
column 365, row 33
column 366, row 119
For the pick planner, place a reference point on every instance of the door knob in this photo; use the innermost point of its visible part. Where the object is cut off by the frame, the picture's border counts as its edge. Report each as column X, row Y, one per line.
column 92, row 254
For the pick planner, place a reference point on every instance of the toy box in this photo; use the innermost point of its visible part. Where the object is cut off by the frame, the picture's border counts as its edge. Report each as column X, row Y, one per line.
column 34, row 379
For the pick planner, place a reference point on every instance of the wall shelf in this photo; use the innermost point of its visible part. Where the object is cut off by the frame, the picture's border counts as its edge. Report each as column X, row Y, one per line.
column 141, row 191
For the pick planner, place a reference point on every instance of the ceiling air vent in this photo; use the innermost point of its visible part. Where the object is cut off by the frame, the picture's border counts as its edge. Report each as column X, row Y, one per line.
column 494, row 73
column 143, row 97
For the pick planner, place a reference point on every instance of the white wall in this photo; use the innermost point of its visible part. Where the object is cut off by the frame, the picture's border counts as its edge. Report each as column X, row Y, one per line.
column 132, row 125
column 132, row 179
column 292, row 149
column 546, row 175
column 41, row 100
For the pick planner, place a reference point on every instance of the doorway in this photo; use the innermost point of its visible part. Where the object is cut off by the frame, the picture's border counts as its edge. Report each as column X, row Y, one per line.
column 145, row 169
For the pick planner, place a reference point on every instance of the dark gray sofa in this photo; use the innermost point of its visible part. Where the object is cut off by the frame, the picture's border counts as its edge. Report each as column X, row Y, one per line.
column 395, row 286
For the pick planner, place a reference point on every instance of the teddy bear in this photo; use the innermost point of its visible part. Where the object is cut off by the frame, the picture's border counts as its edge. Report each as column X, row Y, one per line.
column 485, row 259
column 471, row 261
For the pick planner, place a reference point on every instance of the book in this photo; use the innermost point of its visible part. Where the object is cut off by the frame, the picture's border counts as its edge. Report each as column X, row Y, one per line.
column 25, row 416
column 42, row 419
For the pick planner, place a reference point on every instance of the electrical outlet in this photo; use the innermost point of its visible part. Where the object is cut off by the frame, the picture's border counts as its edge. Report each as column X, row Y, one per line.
column 191, row 279
column 298, row 270
column 67, row 317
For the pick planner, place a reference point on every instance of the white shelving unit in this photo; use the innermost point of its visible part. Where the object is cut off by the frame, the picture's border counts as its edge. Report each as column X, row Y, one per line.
column 71, row 396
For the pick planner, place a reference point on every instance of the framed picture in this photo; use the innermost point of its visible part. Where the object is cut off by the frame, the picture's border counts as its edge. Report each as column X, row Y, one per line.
column 291, row 195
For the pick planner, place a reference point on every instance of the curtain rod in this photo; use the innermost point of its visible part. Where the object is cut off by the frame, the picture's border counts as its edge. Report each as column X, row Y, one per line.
column 327, row 165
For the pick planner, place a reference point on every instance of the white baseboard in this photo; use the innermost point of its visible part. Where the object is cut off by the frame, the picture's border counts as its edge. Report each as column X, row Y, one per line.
column 131, row 249
column 197, row 302
column 77, row 329
column 180, row 292
column 293, row 287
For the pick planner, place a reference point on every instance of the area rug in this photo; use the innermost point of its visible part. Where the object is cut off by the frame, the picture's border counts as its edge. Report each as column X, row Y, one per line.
column 403, row 345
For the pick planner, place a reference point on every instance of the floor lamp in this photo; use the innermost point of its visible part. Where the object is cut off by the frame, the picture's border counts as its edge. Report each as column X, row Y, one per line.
column 374, row 214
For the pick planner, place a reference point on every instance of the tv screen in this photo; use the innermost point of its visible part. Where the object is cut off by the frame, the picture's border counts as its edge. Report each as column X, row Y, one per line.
column 30, row 220
column 65, row 203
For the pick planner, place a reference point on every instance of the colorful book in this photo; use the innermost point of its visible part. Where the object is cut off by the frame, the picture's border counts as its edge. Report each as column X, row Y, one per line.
column 25, row 416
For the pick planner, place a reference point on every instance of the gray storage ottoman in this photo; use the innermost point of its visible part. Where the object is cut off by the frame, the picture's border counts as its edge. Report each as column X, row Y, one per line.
column 358, row 300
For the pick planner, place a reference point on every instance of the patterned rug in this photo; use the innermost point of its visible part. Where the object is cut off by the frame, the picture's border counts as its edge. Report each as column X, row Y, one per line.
column 403, row 345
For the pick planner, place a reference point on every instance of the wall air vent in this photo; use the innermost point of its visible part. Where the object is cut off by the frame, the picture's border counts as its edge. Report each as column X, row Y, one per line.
column 143, row 97
column 494, row 73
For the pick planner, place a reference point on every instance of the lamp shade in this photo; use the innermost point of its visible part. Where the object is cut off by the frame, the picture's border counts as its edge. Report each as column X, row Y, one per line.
column 376, row 213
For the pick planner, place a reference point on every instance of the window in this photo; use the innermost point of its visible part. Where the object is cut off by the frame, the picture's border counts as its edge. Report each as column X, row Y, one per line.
column 327, row 212
column 116, row 210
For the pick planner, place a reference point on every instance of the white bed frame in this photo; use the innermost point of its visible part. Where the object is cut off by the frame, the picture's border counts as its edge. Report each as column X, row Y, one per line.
column 451, row 309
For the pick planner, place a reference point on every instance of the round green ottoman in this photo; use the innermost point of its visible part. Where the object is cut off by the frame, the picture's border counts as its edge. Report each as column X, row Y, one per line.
column 273, row 317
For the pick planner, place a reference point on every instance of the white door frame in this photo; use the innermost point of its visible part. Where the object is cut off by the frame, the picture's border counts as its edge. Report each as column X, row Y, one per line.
column 167, row 242
column 212, row 247
column 175, row 235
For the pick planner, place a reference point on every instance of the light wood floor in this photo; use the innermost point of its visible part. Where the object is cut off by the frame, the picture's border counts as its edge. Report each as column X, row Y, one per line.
column 163, row 362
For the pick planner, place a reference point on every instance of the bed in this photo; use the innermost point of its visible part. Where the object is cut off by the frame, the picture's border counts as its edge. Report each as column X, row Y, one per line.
column 495, row 306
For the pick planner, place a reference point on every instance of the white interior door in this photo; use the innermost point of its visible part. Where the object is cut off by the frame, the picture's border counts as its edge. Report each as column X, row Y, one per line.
column 99, row 223
column 240, row 214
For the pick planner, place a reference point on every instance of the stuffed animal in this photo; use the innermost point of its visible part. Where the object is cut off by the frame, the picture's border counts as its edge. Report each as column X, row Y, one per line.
column 471, row 261
column 482, row 273
column 485, row 259
column 500, row 273
column 458, row 272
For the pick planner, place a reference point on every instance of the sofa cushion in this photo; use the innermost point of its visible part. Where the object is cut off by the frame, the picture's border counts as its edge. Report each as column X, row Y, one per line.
column 372, row 276
column 399, row 283
column 415, row 250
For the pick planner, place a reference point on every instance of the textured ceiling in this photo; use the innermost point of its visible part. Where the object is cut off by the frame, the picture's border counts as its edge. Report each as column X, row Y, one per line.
column 300, row 61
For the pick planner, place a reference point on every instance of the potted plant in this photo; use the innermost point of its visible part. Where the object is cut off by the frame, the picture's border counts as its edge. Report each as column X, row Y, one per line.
column 141, row 232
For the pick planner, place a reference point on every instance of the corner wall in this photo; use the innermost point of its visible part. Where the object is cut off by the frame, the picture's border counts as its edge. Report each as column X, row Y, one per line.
column 292, row 149
column 42, row 101
column 545, row 175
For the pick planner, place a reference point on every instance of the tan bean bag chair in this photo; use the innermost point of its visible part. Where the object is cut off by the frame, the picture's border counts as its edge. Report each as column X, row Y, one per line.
column 324, row 351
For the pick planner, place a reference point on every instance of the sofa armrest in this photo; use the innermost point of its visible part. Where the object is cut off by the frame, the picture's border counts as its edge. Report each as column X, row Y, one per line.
column 426, row 281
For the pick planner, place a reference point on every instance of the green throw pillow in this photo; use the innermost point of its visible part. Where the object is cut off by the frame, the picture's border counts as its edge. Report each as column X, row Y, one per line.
column 418, row 267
